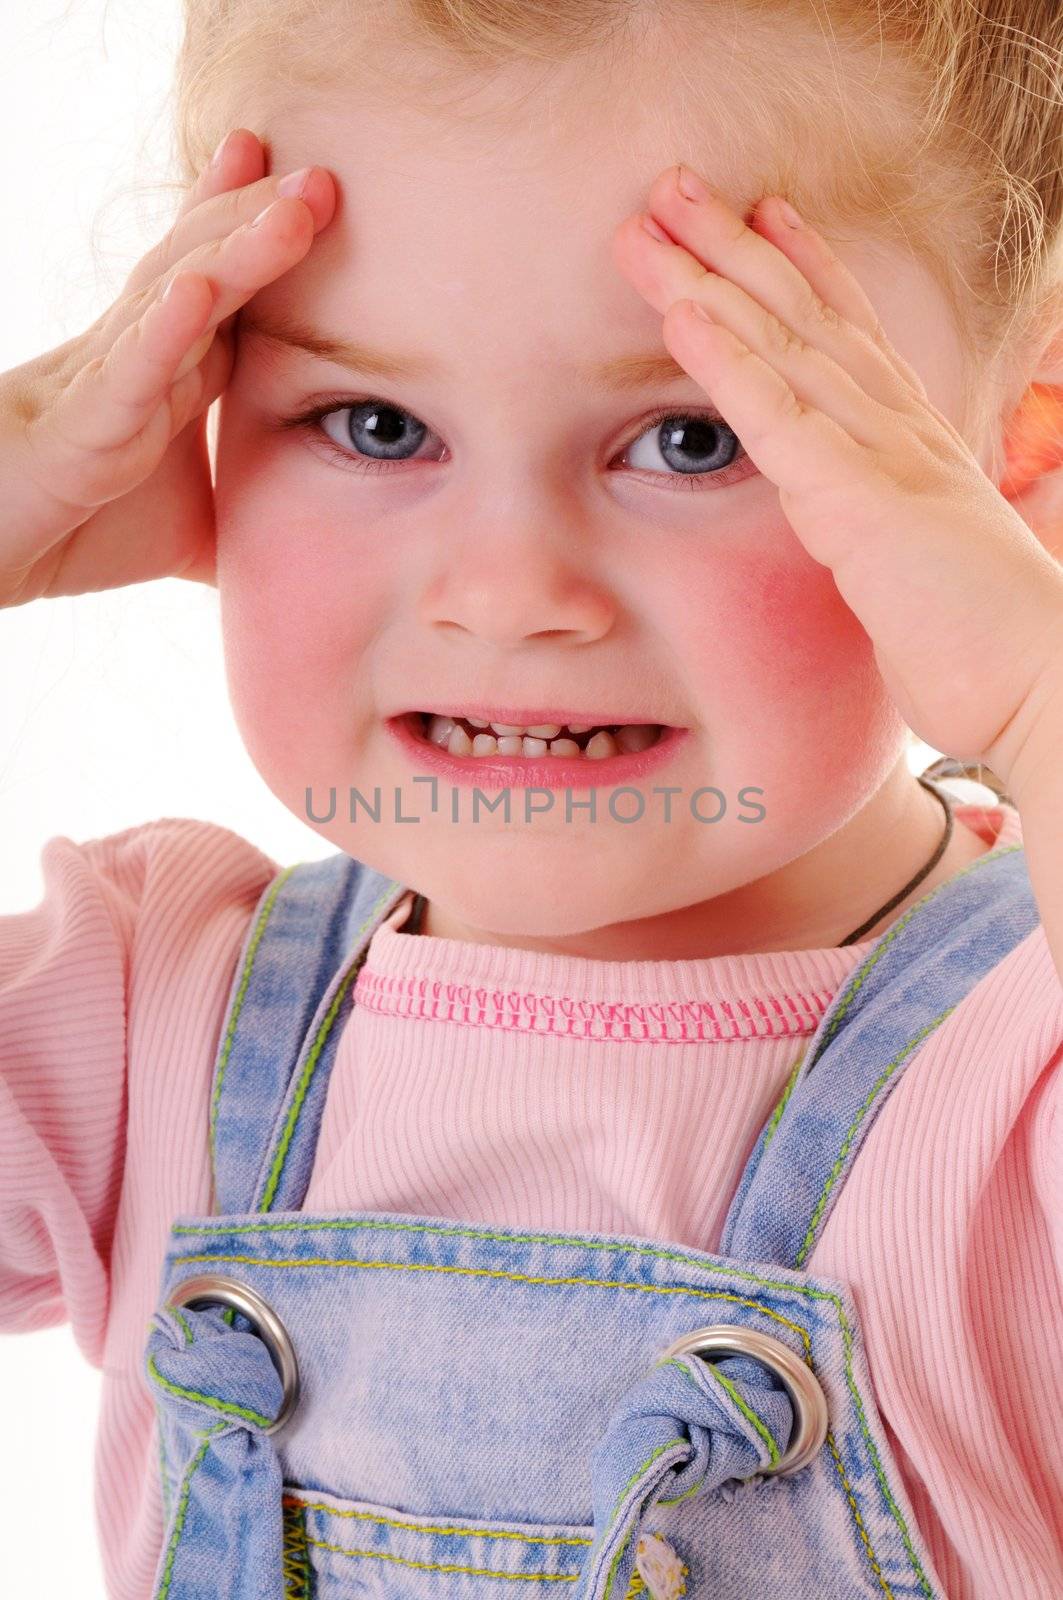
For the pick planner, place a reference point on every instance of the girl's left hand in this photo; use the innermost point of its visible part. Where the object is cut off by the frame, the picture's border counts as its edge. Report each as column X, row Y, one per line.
column 963, row 605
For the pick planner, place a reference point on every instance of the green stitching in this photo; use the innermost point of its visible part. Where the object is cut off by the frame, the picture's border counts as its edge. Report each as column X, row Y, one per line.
column 791, row 1083
column 747, row 1412
column 750, row 1415
column 378, row 1223
column 175, row 1535
column 416, row 1527
column 237, row 1006
column 618, row 1502
column 856, row 982
column 311, row 1060
column 164, row 1470
column 229, row 1407
column 872, row 1095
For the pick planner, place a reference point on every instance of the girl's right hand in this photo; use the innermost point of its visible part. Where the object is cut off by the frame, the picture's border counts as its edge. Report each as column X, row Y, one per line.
column 103, row 448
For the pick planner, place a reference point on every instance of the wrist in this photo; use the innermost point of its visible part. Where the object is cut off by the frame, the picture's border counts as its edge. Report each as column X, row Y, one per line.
column 1028, row 754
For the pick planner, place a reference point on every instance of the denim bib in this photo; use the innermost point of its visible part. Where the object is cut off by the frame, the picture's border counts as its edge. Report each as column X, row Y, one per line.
column 407, row 1407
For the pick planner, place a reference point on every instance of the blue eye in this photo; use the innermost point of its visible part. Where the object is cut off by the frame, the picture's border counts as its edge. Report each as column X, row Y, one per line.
column 689, row 443
column 697, row 449
column 376, row 430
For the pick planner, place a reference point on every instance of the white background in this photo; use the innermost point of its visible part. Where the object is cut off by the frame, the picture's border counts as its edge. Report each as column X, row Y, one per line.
column 114, row 708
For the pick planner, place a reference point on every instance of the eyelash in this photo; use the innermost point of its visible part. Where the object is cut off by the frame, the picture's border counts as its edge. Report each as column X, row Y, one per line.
column 313, row 415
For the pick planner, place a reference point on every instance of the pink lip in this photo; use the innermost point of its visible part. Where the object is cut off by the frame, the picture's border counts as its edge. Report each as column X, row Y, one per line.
column 541, row 772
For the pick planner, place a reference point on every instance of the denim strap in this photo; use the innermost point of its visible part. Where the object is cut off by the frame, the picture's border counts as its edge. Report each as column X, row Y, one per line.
column 913, row 977
column 283, row 1020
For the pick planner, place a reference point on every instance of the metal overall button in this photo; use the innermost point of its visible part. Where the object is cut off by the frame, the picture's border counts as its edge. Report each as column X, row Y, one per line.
column 212, row 1288
column 797, row 1378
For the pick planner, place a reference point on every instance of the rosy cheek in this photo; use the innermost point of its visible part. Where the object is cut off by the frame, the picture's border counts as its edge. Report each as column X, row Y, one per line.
column 301, row 605
column 804, row 633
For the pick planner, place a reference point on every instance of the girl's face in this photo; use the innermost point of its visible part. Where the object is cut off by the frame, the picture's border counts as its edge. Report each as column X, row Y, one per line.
column 532, row 541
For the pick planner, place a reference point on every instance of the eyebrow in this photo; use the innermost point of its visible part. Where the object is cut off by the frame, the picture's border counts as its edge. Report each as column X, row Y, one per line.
column 622, row 374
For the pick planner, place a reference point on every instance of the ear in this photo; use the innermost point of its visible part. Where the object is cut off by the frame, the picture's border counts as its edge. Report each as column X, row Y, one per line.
column 1033, row 477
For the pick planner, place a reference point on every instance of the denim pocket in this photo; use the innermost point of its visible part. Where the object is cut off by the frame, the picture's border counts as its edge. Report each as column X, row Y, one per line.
column 337, row 1549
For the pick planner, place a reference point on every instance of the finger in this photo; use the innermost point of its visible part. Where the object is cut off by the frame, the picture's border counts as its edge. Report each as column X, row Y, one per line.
column 713, row 230
column 80, row 437
column 221, row 214
column 813, row 376
column 173, row 335
column 707, row 232
column 243, row 262
column 799, row 447
column 239, row 159
column 827, row 274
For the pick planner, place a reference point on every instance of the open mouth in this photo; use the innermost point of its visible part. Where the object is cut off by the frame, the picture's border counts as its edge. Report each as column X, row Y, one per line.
column 465, row 736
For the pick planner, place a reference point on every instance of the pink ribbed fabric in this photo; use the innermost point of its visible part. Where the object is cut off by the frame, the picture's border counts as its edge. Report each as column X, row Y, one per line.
column 518, row 1088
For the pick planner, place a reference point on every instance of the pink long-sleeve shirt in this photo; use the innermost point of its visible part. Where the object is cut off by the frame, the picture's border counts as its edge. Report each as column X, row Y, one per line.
column 949, row 1229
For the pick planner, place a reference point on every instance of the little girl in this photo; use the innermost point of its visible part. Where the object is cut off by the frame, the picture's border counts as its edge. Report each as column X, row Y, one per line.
column 677, row 1211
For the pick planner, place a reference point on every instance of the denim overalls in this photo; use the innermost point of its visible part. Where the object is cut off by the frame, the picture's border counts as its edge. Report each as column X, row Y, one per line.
column 386, row 1405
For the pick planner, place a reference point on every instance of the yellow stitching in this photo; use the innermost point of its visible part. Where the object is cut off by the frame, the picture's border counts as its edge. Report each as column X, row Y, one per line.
column 295, row 1562
column 307, row 1223
column 518, row 1277
column 597, row 1283
column 414, row 1527
column 817, row 1294
column 872, row 1095
column 859, row 1520
column 439, row 1566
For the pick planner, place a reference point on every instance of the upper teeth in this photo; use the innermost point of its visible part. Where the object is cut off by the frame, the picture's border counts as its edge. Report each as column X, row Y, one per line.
column 509, row 740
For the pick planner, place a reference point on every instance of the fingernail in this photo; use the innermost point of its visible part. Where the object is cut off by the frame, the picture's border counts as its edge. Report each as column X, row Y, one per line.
column 263, row 214
column 215, row 159
column 653, row 230
column 292, row 184
column 689, row 185
column 788, row 214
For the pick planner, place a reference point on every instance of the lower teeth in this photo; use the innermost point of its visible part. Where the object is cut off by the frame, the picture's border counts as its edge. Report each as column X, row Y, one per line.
column 454, row 737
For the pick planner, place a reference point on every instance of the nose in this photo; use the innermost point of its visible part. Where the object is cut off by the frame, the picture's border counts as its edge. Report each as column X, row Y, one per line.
column 507, row 584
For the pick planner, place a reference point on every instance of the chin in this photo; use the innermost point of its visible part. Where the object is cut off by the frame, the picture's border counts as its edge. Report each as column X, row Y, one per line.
column 534, row 910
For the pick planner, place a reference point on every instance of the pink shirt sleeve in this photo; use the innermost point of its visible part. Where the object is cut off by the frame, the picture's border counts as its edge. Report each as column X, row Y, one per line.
column 73, row 971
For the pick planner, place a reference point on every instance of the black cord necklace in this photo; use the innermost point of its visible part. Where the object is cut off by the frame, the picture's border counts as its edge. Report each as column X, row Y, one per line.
column 414, row 923
column 902, row 894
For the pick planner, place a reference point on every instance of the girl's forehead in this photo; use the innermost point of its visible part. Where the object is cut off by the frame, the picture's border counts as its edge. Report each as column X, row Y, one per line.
column 571, row 130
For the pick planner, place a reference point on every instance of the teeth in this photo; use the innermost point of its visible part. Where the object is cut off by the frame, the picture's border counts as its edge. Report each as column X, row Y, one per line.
column 603, row 744
column 459, row 743
column 505, row 740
